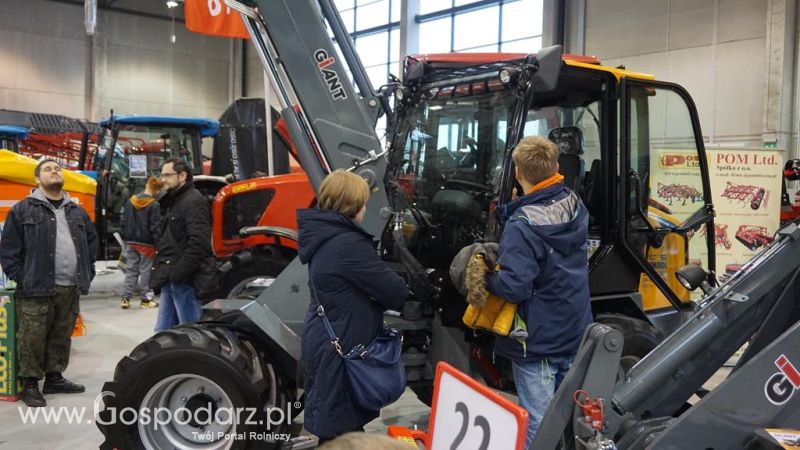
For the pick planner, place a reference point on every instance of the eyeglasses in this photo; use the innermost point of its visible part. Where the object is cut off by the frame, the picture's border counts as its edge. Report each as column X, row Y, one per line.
column 167, row 175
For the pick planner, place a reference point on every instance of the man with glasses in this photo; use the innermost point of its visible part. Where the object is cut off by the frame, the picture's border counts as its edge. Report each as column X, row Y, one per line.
column 184, row 244
column 48, row 248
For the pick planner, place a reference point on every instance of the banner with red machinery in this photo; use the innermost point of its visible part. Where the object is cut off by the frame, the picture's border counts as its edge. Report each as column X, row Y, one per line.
column 213, row 17
column 746, row 185
column 746, row 191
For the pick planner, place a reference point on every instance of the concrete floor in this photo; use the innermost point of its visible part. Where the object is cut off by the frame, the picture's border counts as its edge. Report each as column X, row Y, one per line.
column 111, row 334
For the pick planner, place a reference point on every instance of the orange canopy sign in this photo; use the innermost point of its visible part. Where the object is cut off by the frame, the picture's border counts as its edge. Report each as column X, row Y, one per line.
column 213, row 17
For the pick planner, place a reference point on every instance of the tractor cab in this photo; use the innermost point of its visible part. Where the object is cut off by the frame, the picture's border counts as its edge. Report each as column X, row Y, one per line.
column 10, row 135
column 132, row 148
column 631, row 147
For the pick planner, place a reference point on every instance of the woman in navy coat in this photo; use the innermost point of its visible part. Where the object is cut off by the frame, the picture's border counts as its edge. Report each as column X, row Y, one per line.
column 354, row 286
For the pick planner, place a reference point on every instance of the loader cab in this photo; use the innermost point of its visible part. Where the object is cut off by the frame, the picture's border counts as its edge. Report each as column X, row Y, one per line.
column 132, row 148
column 623, row 137
column 10, row 135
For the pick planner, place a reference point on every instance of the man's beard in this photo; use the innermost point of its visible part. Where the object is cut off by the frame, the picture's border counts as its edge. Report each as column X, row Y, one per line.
column 55, row 186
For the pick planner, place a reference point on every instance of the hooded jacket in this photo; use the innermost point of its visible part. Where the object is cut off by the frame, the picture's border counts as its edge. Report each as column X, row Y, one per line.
column 543, row 268
column 141, row 222
column 29, row 245
column 354, row 286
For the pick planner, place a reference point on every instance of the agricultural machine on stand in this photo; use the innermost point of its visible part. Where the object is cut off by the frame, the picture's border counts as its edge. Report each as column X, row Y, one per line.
column 48, row 136
column 790, row 208
column 435, row 186
column 28, row 137
column 253, row 221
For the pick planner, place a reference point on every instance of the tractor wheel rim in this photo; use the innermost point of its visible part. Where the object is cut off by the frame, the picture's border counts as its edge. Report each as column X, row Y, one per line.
column 187, row 411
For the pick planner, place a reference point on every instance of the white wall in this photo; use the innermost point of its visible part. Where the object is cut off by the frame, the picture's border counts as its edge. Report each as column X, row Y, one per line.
column 133, row 67
column 716, row 49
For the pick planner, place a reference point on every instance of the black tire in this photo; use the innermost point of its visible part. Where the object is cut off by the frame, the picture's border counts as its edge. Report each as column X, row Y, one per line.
column 233, row 283
column 640, row 337
column 193, row 366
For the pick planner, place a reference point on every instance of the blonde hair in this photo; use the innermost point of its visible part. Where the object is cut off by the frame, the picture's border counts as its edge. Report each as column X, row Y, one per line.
column 536, row 157
column 365, row 441
column 344, row 192
column 154, row 185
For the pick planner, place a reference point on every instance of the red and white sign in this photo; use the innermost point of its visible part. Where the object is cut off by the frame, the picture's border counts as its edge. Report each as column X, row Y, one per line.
column 468, row 415
column 213, row 17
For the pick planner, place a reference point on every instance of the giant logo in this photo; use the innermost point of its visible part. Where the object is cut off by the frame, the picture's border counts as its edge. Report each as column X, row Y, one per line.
column 331, row 77
column 780, row 387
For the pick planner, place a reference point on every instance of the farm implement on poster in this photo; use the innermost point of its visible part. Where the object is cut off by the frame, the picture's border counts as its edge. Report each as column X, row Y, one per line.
column 745, row 193
column 753, row 236
column 684, row 192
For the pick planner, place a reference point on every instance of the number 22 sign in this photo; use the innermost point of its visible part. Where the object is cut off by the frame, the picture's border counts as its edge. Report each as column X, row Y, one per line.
column 467, row 415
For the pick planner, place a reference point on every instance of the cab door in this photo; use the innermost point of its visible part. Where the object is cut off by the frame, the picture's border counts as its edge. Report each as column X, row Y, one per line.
column 667, row 214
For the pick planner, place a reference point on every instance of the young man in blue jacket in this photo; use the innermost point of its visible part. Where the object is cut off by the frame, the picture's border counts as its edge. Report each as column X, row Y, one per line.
column 543, row 268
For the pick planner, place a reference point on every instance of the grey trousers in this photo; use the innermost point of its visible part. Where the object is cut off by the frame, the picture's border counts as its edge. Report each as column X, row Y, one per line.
column 137, row 274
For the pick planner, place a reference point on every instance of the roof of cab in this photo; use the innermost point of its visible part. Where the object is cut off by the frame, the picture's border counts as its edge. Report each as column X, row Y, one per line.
column 14, row 131
column 459, row 60
column 208, row 127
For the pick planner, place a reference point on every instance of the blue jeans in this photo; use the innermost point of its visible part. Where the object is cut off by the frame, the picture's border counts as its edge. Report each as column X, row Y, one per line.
column 537, row 379
column 178, row 305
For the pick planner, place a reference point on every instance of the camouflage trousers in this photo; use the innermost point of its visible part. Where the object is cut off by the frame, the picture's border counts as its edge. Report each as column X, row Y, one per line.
column 44, row 331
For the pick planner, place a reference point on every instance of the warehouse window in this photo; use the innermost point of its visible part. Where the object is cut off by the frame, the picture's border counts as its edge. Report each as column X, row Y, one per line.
column 480, row 26
column 374, row 26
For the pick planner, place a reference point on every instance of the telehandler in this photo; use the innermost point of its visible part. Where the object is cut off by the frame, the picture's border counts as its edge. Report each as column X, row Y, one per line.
column 445, row 168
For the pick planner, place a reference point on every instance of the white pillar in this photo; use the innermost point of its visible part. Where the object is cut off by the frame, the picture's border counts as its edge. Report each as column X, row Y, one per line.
column 409, row 31
column 779, row 84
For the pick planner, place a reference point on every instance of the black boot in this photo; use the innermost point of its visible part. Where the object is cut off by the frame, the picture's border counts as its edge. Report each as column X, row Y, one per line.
column 54, row 383
column 30, row 393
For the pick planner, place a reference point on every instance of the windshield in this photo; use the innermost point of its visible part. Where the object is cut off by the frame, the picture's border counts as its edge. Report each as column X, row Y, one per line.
column 453, row 149
column 455, row 144
column 454, row 155
column 139, row 152
column 9, row 143
column 147, row 147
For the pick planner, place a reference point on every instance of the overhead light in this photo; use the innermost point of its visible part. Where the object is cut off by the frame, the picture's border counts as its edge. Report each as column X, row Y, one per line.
column 172, row 4
column 507, row 75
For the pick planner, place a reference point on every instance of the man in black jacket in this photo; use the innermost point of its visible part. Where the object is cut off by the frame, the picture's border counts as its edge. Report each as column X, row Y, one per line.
column 184, row 244
column 48, row 248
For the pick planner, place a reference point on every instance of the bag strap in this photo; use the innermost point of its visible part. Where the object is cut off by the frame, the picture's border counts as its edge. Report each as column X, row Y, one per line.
column 321, row 314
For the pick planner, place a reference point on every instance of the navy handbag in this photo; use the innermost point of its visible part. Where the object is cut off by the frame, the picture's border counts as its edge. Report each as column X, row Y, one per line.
column 376, row 374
